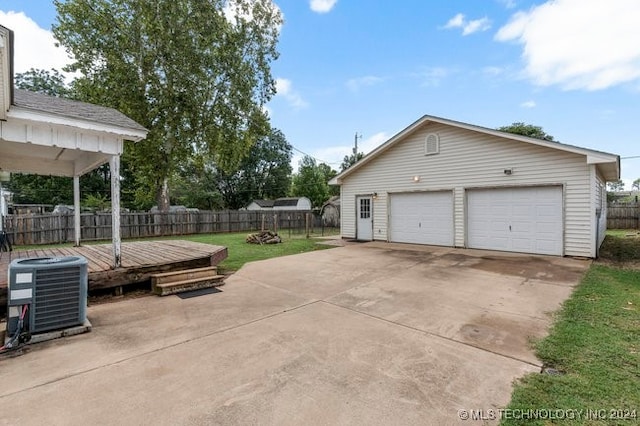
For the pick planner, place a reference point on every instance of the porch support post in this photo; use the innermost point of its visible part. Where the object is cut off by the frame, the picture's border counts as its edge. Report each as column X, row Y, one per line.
column 114, row 166
column 76, row 209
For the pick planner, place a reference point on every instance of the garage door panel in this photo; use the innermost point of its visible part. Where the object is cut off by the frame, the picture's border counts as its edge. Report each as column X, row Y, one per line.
column 422, row 218
column 520, row 219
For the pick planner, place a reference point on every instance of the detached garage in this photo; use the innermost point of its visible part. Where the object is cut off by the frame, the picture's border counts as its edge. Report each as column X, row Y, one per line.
column 442, row 182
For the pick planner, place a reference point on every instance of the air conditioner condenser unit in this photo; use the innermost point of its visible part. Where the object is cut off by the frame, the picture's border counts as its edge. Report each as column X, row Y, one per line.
column 50, row 293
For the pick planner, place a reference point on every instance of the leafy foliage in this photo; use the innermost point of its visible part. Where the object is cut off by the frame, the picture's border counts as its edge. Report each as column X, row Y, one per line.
column 311, row 181
column 195, row 73
column 264, row 174
column 49, row 82
column 350, row 160
column 616, row 186
column 636, row 185
column 529, row 130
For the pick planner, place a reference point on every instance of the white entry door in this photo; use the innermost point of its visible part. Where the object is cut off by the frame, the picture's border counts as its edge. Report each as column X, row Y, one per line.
column 525, row 220
column 422, row 218
column 364, row 218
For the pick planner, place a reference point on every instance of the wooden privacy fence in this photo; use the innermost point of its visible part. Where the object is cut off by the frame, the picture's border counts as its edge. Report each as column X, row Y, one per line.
column 51, row 229
column 623, row 216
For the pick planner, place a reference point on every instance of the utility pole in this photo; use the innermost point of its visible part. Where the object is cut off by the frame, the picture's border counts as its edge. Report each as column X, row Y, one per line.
column 355, row 148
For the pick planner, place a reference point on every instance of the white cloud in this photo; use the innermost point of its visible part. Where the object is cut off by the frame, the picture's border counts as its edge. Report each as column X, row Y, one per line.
column 356, row 84
column 34, row 47
column 432, row 76
column 468, row 27
column 284, row 88
column 528, row 104
column 456, row 22
column 333, row 155
column 578, row 44
column 322, row 6
column 492, row 71
column 482, row 24
column 509, row 4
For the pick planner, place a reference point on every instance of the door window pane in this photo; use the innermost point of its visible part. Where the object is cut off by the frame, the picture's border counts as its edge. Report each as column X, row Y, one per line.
column 365, row 208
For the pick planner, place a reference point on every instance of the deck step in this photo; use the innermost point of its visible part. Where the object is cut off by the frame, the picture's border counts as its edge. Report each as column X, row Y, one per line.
column 186, row 274
column 167, row 288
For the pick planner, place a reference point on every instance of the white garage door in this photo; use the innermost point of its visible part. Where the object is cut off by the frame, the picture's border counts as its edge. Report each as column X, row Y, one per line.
column 526, row 220
column 422, row 218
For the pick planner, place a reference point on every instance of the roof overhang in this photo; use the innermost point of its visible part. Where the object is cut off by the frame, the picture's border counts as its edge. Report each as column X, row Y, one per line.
column 608, row 164
column 37, row 142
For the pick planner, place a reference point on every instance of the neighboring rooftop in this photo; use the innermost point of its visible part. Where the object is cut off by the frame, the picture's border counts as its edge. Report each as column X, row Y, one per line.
column 289, row 201
column 264, row 203
column 75, row 109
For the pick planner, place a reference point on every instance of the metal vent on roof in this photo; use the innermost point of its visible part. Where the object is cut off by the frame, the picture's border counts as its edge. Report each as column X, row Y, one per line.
column 432, row 144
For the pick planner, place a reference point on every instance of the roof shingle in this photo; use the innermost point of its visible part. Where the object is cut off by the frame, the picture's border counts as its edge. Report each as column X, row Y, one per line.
column 74, row 109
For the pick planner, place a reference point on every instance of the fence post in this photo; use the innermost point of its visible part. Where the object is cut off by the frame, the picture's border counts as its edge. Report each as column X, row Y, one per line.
column 306, row 224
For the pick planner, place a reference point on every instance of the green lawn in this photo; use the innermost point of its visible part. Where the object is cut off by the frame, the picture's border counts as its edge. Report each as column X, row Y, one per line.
column 240, row 252
column 595, row 344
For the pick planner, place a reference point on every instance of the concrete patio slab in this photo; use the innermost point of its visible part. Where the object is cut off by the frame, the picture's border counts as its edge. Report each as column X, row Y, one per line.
column 318, row 364
column 362, row 334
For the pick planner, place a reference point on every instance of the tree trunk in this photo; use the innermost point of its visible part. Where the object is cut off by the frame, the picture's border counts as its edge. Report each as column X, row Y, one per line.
column 162, row 196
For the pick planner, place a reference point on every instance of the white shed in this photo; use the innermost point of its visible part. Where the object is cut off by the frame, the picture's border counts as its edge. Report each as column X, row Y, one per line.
column 443, row 182
column 292, row 203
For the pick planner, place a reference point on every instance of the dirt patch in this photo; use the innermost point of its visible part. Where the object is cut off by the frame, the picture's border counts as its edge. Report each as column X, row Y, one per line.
column 621, row 251
column 502, row 334
column 531, row 267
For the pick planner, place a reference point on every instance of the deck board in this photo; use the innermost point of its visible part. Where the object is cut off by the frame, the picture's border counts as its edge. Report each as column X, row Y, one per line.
column 139, row 259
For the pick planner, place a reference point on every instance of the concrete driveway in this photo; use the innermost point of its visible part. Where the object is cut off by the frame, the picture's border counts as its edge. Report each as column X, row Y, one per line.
column 364, row 334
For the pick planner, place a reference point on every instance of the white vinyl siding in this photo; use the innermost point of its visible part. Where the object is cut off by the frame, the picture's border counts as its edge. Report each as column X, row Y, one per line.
column 466, row 160
column 600, row 202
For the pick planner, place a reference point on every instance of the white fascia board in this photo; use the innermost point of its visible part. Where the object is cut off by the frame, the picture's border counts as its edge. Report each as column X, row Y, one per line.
column 25, row 114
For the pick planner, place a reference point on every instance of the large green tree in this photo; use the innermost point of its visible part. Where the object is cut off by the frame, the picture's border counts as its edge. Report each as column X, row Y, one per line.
column 195, row 73
column 529, row 130
column 50, row 82
column 616, row 185
column 264, row 174
column 350, row 160
column 636, row 185
column 311, row 181
column 195, row 185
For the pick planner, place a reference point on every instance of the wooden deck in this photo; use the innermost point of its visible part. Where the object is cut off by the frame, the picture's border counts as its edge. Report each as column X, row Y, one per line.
column 140, row 259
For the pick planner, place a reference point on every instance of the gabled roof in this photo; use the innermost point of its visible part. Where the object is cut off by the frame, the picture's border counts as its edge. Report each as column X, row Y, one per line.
column 609, row 163
column 286, row 202
column 73, row 109
column 264, row 203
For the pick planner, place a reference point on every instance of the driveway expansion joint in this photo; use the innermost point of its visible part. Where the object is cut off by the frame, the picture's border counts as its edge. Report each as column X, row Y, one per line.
column 433, row 334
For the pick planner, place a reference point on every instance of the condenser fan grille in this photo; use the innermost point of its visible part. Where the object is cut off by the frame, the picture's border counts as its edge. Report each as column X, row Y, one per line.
column 57, row 296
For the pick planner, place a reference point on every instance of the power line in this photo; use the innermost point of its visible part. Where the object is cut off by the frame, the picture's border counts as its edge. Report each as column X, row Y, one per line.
column 628, row 158
column 315, row 158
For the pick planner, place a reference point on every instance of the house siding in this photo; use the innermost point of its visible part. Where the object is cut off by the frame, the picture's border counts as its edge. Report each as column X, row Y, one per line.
column 469, row 160
column 600, row 201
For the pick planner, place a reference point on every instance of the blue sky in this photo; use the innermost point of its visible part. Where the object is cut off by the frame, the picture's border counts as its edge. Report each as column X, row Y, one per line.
column 373, row 67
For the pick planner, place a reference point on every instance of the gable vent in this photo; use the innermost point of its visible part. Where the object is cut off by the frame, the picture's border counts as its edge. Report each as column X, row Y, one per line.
column 432, row 144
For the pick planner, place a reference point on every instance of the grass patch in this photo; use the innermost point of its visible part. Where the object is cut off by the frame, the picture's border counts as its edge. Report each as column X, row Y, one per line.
column 620, row 246
column 595, row 342
column 239, row 251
